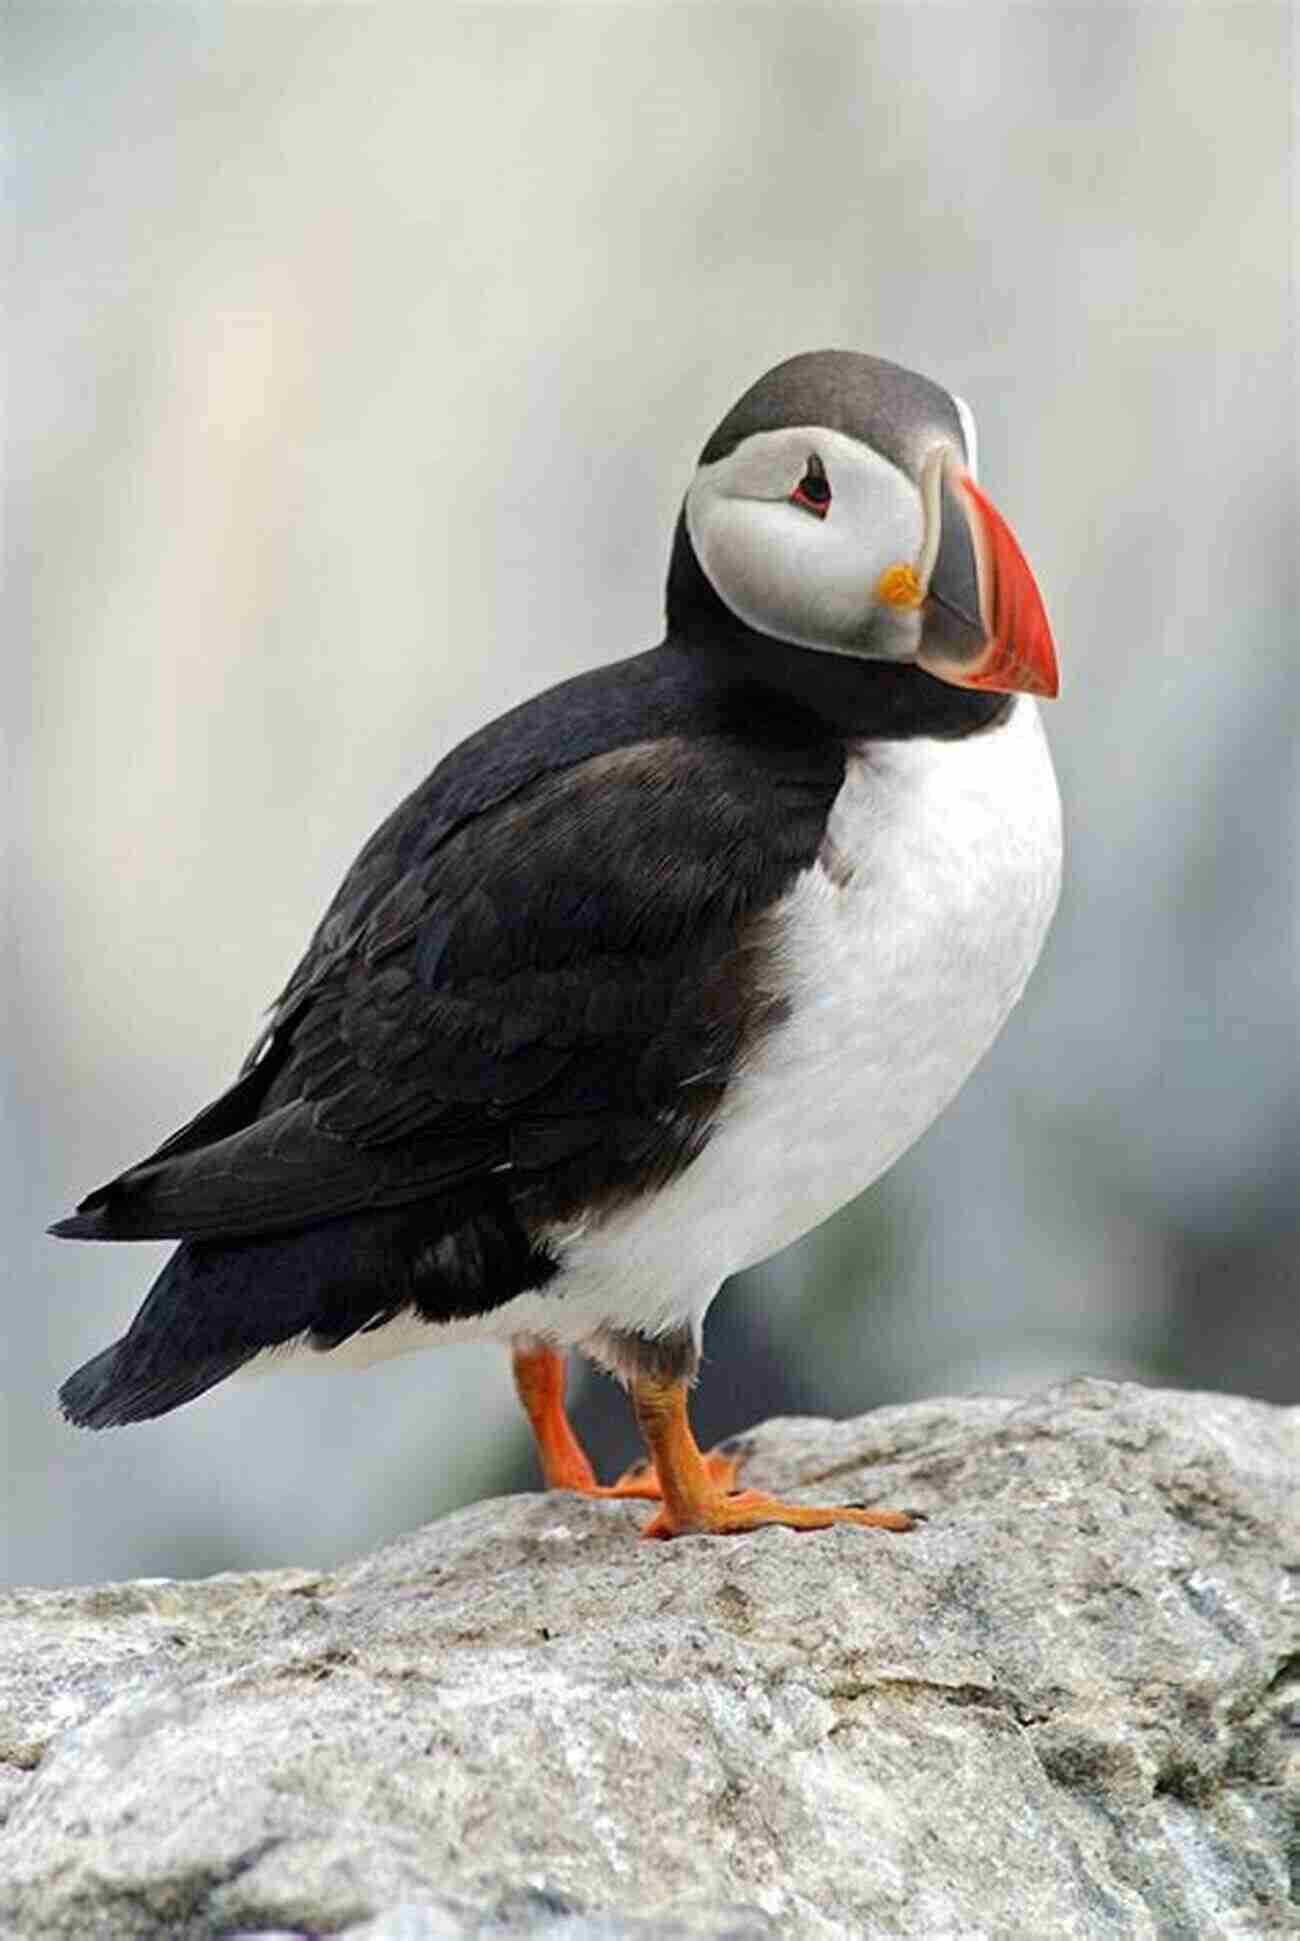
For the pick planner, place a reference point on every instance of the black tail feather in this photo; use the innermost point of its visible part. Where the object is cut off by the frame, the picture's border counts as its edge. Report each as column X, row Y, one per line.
column 119, row 1386
column 200, row 1322
column 216, row 1304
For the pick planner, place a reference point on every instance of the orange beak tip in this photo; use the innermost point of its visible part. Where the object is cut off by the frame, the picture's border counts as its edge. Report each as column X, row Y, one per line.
column 1021, row 654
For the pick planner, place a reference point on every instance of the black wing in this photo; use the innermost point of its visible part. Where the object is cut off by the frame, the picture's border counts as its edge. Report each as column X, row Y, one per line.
column 553, row 991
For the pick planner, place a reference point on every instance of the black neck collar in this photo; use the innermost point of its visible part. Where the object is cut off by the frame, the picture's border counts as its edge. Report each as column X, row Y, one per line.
column 878, row 700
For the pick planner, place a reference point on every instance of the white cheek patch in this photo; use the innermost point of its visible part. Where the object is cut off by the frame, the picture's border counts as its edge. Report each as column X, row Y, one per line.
column 806, row 580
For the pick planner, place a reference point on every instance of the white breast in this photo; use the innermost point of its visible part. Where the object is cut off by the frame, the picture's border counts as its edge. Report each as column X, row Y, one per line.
column 900, row 954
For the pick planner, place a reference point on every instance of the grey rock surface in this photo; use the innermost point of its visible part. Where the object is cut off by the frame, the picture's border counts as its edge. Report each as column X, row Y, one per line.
column 1067, row 1705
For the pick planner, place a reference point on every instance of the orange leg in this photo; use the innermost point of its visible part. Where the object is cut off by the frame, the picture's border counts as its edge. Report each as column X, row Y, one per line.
column 692, row 1498
column 539, row 1380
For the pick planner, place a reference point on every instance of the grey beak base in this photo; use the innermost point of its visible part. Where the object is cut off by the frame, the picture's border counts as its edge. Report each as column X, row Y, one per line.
column 953, row 629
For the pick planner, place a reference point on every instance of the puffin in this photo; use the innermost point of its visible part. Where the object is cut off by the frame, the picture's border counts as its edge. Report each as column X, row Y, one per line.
column 653, row 973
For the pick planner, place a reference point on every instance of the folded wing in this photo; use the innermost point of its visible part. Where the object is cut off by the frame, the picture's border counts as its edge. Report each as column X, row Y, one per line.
column 554, row 993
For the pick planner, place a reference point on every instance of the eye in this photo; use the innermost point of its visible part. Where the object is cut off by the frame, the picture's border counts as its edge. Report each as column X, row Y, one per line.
column 813, row 491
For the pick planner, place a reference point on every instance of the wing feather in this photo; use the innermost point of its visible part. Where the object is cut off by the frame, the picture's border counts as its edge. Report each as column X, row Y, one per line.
column 556, row 990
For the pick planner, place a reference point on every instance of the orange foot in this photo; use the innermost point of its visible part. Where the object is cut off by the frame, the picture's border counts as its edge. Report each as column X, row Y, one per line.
column 694, row 1503
column 697, row 1491
column 539, row 1378
column 749, row 1509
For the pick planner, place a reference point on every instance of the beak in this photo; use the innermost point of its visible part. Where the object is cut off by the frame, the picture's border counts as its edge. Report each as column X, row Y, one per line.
column 983, row 623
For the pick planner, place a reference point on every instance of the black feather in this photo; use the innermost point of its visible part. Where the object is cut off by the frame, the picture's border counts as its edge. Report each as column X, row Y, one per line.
column 216, row 1305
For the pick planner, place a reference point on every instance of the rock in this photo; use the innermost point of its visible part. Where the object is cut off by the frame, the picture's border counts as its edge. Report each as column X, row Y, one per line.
column 1067, row 1705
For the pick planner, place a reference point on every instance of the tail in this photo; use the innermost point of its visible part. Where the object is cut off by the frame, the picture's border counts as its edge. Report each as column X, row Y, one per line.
column 114, row 1387
column 218, row 1303
column 160, row 1362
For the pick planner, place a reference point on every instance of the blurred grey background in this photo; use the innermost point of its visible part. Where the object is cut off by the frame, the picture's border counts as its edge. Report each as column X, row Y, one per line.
column 359, row 359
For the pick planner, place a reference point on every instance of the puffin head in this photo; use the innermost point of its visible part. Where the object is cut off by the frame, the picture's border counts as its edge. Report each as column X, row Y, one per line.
column 835, row 508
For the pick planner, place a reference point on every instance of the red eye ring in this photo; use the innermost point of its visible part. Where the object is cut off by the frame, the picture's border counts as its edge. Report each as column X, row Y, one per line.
column 800, row 497
column 813, row 491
